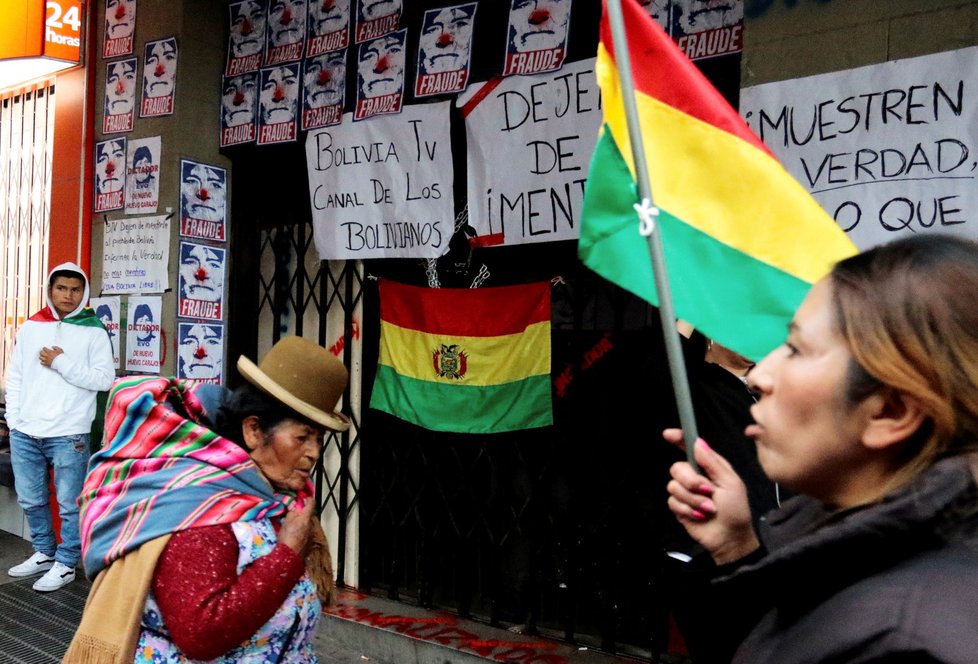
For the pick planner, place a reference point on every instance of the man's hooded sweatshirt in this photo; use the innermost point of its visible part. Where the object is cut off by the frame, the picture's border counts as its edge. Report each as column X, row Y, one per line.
column 58, row 400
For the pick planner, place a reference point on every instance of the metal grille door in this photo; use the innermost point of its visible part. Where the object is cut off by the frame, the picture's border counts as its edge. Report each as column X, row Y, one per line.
column 26, row 136
column 320, row 300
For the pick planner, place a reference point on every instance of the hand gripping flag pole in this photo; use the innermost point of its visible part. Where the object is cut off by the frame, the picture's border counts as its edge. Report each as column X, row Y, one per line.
column 647, row 213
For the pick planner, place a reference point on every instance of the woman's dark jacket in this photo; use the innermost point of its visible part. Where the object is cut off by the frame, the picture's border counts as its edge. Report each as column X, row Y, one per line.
column 894, row 582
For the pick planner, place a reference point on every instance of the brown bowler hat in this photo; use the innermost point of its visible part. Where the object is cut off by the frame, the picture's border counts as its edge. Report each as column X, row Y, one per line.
column 304, row 376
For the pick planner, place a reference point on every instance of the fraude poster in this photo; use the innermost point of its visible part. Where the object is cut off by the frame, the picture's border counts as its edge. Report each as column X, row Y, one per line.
column 529, row 144
column 886, row 149
column 383, row 187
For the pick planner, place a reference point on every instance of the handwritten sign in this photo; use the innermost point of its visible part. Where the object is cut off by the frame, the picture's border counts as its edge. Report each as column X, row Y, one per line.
column 530, row 141
column 135, row 252
column 886, row 149
column 383, row 187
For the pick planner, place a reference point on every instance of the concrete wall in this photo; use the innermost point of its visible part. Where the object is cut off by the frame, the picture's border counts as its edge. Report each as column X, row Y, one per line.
column 190, row 132
column 786, row 39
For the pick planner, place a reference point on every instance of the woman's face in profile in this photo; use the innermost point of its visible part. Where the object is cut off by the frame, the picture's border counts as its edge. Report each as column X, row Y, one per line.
column 287, row 455
column 808, row 437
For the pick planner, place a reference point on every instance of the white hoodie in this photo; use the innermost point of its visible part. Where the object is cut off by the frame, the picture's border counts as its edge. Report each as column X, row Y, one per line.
column 58, row 401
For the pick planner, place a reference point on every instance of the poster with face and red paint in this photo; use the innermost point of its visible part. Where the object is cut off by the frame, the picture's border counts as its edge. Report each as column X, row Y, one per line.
column 110, row 174
column 239, row 109
column 278, row 104
column 328, row 28
column 120, row 24
column 323, row 89
column 380, row 76
column 376, row 18
column 203, row 200
column 246, row 36
column 119, row 107
column 201, row 281
column 702, row 28
column 537, row 36
column 200, row 351
column 159, row 78
column 444, row 50
column 285, row 33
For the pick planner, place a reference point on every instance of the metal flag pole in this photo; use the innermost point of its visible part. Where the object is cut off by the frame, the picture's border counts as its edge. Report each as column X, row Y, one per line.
column 667, row 316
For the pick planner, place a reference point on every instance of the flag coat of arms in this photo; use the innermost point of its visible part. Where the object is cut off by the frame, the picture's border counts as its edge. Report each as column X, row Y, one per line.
column 465, row 360
column 743, row 241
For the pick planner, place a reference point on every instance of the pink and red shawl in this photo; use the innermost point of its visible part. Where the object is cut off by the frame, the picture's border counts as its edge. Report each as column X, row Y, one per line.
column 162, row 470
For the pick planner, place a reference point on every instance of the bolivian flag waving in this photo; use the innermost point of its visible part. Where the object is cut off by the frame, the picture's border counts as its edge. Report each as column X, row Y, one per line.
column 743, row 241
column 467, row 360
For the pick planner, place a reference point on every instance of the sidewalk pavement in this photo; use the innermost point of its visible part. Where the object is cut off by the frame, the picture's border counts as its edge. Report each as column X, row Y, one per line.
column 357, row 629
column 36, row 628
column 396, row 633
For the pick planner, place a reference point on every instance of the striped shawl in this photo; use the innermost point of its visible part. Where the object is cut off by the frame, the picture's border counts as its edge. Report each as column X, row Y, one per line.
column 162, row 470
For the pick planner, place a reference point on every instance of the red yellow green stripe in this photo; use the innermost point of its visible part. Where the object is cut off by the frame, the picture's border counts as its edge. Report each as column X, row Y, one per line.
column 483, row 312
column 524, row 404
column 465, row 360
column 743, row 241
column 490, row 360
column 739, row 176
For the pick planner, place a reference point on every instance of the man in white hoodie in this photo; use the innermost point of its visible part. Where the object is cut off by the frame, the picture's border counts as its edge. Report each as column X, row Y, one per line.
column 62, row 358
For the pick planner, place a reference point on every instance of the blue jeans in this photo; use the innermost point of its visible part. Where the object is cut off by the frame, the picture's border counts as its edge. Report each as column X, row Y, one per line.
column 31, row 457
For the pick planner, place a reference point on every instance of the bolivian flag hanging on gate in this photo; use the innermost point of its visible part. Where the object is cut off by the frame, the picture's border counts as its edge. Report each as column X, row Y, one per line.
column 466, row 360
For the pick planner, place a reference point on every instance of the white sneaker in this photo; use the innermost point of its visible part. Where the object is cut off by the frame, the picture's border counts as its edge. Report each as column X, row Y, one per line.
column 58, row 576
column 36, row 564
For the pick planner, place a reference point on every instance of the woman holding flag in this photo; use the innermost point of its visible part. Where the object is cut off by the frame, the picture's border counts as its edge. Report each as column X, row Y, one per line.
column 869, row 411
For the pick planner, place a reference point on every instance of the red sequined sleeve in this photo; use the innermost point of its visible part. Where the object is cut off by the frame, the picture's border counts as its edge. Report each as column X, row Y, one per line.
column 207, row 607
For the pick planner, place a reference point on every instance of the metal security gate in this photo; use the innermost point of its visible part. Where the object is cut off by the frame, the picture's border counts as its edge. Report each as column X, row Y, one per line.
column 558, row 531
column 320, row 300
column 26, row 135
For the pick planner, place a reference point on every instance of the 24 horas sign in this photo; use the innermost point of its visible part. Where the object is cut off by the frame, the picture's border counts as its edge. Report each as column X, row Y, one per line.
column 35, row 28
